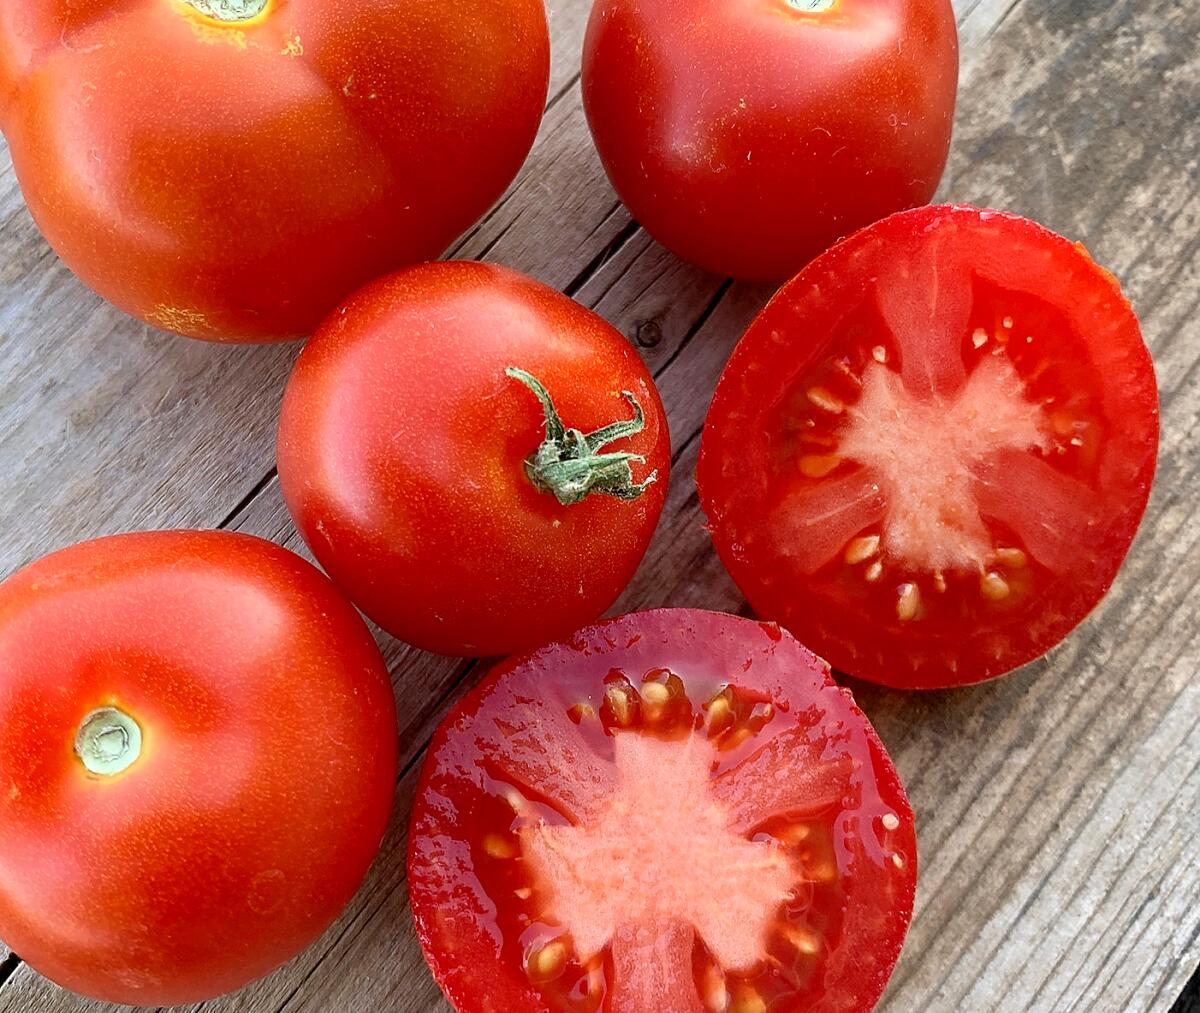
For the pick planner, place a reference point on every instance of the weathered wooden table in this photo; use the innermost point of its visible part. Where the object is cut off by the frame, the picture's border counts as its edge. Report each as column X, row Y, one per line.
column 1058, row 809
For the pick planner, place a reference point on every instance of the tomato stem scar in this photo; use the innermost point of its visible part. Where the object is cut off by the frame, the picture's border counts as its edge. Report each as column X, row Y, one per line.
column 108, row 742
column 811, row 6
column 569, row 463
column 229, row 11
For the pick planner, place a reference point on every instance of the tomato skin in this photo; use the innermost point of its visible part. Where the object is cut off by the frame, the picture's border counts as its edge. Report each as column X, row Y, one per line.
column 456, row 919
column 746, row 137
column 401, row 458
column 245, row 179
column 1099, row 338
column 265, row 779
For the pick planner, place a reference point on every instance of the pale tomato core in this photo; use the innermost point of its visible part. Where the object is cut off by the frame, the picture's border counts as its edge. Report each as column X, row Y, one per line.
column 662, row 848
column 923, row 453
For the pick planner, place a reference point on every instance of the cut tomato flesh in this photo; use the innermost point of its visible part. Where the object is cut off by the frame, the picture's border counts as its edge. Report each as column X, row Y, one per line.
column 719, row 829
column 928, row 455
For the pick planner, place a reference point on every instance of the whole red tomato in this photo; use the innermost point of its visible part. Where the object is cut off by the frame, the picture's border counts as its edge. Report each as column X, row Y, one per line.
column 232, row 169
column 476, row 459
column 197, row 762
column 747, row 136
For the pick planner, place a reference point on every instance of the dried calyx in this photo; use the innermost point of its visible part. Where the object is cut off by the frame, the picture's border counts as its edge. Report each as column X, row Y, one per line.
column 229, row 11
column 569, row 464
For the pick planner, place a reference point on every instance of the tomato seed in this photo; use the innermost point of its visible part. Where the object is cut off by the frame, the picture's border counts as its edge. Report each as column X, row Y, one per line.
column 861, row 549
column 716, row 995
column 547, row 962
column 898, row 861
column 1008, row 323
column 803, row 940
column 939, row 582
column 993, row 587
column 826, row 400
column 979, row 338
column 1011, row 557
column 621, row 705
column 580, row 711
column 793, row 833
column 874, row 572
column 879, row 353
column 523, row 892
column 908, row 602
column 890, row 821
column 818, row 465
column 499, row 847
column 655, row 693
column 747, row 1000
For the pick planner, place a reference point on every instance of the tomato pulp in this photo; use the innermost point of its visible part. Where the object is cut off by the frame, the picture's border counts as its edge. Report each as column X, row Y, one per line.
column 232, row 169
column 197, row 762
column 671, row 811
column 748, row 135
column 929, row 454
column 476, row 459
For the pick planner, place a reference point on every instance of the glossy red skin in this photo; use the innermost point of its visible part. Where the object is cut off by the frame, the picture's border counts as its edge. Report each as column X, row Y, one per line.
column 746, row 137
column 401, row 457
column 263, row 788
column 864, row 641
column 450, row 915
column 235, row 183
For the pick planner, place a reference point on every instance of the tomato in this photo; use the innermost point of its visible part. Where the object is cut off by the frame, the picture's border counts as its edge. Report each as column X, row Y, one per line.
column 232, row 169
column 671, row 811
column 747, row 136
column 197, row 762
column 928, row 455
column 432, row 452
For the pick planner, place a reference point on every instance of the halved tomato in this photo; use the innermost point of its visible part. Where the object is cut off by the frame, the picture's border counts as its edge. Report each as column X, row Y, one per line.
column 675, row 811
column 930, row 452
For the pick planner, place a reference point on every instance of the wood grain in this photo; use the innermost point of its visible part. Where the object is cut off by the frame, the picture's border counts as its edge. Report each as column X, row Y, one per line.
column 1058, row 809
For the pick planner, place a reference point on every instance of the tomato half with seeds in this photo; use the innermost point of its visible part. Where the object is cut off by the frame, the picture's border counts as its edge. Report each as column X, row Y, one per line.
column 675, row 811
column 929, row 454
column 476, row 459
column 197, row 762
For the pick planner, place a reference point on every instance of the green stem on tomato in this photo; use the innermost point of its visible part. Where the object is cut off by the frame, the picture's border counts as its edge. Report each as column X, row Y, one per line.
column 569, row 464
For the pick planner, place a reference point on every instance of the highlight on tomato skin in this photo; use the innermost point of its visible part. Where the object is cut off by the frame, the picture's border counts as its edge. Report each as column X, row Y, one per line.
column 673, row 810
column 929, row 454
column 198, row 756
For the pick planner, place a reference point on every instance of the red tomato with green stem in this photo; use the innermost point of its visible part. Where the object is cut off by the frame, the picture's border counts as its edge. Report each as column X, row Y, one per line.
column 476, row 459
column 748, row 136
column 930, row 452
column 233, row 169
column 675, row 811
column 197, row 762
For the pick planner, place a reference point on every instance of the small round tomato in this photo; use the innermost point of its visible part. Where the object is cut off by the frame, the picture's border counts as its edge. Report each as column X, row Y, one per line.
column 747, row 136
column 197, row 762
column 232, row 169
column 929, row 454
column 476, row 459
column 674, row 811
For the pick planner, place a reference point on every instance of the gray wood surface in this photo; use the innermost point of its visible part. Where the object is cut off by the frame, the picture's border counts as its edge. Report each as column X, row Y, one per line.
column 1058, row 809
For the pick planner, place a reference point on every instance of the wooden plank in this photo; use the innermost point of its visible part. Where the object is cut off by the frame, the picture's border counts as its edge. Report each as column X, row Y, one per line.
column 1057, row 825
